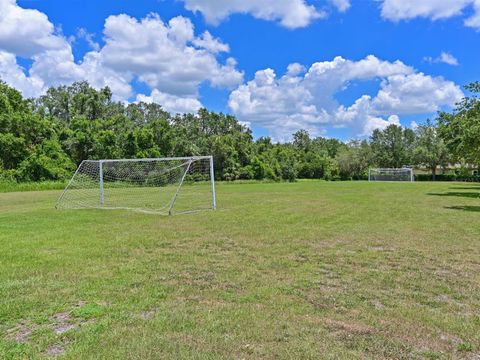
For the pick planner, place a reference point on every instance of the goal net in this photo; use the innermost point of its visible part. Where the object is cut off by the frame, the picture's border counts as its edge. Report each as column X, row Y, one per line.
column 164, row 185
column 402, row 174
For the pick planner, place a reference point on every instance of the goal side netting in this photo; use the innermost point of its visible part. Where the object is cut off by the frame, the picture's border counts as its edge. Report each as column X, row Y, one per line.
column 401, row 174
column 163, row 185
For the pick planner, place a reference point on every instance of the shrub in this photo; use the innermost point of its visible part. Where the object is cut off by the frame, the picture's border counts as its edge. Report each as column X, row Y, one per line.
column 48, row 162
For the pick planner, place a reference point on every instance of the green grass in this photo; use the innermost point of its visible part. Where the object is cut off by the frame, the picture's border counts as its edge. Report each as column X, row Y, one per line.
column 319, row 270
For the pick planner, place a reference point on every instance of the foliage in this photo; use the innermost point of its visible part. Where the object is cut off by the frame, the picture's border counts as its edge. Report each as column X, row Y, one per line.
column 429, row 148
column 354, row 160
column 20, row 128
column 47, row 162
column 45, row 138
column 392, row 147
column 461, row 128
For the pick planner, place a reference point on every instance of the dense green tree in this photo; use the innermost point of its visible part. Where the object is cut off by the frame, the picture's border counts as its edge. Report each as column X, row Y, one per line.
column 227, row 166
column 13, row 150
column 81, row 144
column 263, row 144
column 46, row 162
column 45, row 138
column 105, row 145
column 20, row 129
column 328, row 147
column 141, row 113
column 302, row 141
column 288, row 161
column 429, row 149
column 461, row 128
column 78, row 99
column 354, row 160
column 163, row 136
column 392, row 147
column 313, row 156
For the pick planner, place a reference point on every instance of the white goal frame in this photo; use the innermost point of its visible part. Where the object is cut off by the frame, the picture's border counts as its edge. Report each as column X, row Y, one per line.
column 183, row 165
column 385, row 172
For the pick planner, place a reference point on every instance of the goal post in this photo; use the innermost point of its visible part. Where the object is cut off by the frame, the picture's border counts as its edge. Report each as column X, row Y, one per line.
column 157, row 185
column 391, row 174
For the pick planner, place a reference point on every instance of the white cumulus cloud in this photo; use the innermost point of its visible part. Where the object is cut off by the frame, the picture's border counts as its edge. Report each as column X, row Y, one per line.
column 14, row 75
column 166, row 56
column 444, row 57
column 397, row 10
column 207, row 41
column 290, row 13
column 305, row 99
column 27, row 32
column 172, row 103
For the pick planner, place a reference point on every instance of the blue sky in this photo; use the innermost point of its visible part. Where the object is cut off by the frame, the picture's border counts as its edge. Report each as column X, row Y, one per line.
column 358, row 65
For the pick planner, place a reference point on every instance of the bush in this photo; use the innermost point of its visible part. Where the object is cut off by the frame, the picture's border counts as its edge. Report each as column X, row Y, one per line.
column 7, row 175
column 48, row 162
column 246, row 173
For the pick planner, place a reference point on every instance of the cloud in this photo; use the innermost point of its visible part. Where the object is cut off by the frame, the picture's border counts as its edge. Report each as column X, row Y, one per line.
column 172, row 103
column 27, row 32
column 474, row 20
column 374, row 123
column 166, row 56
column 207, row 41
column 82, row 33
column 444, row 57
column 414, row 94
column 173, row 62
column 14, row 75
column 434, row 9
column 341, row 5
column 396, row 10
column 291, row 14
column 305, row 99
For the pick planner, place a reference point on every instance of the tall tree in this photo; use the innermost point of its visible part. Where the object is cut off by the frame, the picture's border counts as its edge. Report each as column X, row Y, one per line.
column 78, row 99
column 20, row 129
column 301, row 140
column 461, row 128
column 429, row 148
column 392, row 147
column 354, row 160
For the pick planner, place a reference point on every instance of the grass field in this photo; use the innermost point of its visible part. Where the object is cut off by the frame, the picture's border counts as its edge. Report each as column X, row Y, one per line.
column 319, row 270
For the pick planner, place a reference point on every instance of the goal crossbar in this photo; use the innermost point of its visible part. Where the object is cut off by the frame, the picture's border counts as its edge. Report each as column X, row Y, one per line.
column 151, row 159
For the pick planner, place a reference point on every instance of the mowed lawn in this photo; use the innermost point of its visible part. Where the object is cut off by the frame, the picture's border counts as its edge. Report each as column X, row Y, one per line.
column 306, row 270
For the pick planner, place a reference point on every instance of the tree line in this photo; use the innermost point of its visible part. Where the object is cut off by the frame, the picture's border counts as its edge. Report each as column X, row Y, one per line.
column 47, row 137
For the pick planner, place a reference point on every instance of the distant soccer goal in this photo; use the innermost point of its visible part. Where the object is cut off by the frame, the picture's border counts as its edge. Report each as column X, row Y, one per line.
column 163, row 185
column 399, row 174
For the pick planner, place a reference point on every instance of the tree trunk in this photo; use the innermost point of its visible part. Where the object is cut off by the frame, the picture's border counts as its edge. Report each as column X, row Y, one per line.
column 434, row 172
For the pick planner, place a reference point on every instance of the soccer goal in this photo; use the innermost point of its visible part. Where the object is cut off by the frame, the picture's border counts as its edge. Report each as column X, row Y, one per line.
column 401, row 174
column 163, row 185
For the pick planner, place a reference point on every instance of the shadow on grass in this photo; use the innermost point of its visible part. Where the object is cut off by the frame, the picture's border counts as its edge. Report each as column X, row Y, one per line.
column 465, row 188
column 458, row 194
column 464, row 208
